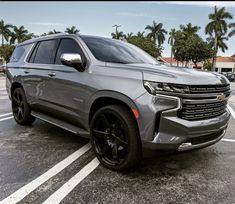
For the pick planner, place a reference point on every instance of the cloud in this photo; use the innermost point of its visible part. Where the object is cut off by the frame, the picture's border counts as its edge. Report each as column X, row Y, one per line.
column 197, row 3
column 144, row 15
column 46, row 24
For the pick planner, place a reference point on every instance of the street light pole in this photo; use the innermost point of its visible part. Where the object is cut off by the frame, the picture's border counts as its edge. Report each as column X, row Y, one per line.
column 117, row 26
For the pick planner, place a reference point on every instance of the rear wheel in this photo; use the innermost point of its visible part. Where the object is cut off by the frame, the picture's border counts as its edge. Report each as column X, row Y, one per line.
column 20, row 108
column 115, row 138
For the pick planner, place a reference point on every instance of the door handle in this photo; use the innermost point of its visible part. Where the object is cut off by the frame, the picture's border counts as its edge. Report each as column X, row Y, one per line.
column 51, row 74
column 26, row 71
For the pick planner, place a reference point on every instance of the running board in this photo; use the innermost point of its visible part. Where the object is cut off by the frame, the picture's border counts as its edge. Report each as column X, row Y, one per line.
column 67, row 126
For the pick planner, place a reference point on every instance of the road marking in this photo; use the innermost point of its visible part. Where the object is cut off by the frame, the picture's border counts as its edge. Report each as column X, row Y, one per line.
column 64, row 190
column 28, row 188
column 6, row 118
column 5, row 114
column 231, row 111
column 228, row 140
column 4, row 97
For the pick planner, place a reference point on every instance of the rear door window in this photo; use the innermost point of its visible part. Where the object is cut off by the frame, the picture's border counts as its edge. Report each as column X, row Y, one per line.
column 45, row 52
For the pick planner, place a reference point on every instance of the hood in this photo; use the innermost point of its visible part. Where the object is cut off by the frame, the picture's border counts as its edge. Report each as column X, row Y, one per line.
column 175, row 75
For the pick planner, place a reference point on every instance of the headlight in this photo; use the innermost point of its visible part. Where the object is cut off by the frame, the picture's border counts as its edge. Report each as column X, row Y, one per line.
column 158, row 87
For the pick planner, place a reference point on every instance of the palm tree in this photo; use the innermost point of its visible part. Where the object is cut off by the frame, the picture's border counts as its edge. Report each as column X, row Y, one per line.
column 171, row 41
column 53, row 32
column 117, row 35
column 72, row 30
column 157, row 33
column 140, row 34
column 217, row 28
column 129, row 35
column 19, row 34
column 5, row 31
column 220, row 43
column 189, row 29
column 232, row 32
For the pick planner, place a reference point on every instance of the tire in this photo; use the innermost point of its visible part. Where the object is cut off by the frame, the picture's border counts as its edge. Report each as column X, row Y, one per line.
column 115, row 138
column 20, row 108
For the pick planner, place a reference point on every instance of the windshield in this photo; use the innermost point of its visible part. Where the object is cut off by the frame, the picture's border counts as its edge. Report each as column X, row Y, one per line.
column 115, row 51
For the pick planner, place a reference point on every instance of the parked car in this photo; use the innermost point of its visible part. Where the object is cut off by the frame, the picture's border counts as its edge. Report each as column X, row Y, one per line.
column 117, row 95
column 231, row 76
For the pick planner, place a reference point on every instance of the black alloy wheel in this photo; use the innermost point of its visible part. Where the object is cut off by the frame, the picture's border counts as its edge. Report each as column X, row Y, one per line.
column 115, row 138
column 20, row 108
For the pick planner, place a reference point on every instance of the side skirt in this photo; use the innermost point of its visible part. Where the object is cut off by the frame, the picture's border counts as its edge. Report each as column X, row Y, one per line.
column 71, row 128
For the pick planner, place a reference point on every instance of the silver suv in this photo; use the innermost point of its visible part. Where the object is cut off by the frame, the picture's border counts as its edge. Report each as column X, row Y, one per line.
column 117, row 95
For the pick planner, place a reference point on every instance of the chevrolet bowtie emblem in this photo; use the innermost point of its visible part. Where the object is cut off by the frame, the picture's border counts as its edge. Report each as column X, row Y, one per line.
column 221, row 97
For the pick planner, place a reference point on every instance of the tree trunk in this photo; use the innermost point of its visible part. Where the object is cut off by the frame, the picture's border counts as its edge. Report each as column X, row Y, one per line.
column 215, row 54
column 2, row 40
column 171, row 54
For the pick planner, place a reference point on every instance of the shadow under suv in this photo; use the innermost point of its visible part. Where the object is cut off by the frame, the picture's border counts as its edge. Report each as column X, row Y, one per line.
column 117, row 95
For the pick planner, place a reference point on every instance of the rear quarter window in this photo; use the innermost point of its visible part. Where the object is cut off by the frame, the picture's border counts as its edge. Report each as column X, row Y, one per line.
column 20, row 52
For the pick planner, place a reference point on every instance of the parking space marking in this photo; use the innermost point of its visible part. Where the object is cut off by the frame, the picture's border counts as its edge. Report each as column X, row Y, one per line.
column 7, row 118
column 28, row 188
column 231, row 111
column 4, row 97
column 5, row 114
column 228, row 140
column 64, row 190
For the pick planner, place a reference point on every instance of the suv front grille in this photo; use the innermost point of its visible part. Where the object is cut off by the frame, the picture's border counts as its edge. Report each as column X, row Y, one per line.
column 209, row 89
column 200, row 108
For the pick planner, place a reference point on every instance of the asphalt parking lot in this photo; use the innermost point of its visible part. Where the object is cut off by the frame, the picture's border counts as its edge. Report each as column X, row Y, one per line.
column 46, row 164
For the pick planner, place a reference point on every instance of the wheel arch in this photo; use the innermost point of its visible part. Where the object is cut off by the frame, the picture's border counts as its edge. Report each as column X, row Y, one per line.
column 105, row 98
column 14, row 86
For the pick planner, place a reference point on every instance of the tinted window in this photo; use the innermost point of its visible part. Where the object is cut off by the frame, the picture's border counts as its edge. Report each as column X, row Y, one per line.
column 45, row 52
column 116, row 51
column 33, row 53
column 19, row 52
column 67, row 46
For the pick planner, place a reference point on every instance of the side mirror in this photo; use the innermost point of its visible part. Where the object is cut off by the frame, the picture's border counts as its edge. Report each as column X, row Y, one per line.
column 72, row 60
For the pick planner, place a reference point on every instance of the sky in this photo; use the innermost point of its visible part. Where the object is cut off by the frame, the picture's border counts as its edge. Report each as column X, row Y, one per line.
column 97, row 18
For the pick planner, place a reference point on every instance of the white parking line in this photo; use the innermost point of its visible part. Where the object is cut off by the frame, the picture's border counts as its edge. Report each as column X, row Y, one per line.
column 231, row 111
column 4, row 97
column 5, row 114
column 28, row 188
column 64, row 190
column 228, row 140
column 7, row 118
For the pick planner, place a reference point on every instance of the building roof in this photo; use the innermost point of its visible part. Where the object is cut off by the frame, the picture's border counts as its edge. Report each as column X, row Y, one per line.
column 225, row 59
column 168, row 59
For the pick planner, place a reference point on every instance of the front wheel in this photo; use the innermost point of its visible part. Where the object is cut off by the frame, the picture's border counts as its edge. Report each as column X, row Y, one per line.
column 115, row 138
column 20, row 108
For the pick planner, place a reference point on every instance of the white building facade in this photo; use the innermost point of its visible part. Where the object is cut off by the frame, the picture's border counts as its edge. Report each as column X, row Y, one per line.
column 223, row 64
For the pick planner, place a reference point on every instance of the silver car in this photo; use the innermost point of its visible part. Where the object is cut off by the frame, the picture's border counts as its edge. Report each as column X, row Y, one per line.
column 117, row 95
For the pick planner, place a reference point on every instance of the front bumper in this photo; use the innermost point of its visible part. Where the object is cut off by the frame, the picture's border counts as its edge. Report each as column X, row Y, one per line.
column 174, row 133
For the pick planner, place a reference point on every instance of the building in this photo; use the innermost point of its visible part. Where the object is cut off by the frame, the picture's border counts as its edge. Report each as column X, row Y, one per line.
column 167, row 60
column 223, row 64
